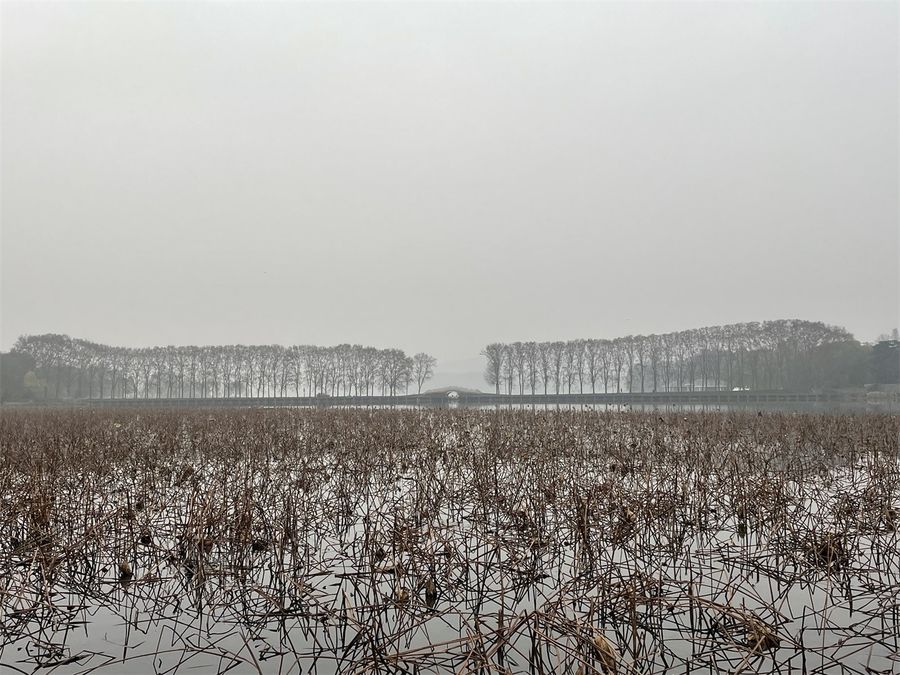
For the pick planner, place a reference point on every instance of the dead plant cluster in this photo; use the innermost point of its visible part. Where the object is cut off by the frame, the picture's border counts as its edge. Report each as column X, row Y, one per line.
column 436, row 541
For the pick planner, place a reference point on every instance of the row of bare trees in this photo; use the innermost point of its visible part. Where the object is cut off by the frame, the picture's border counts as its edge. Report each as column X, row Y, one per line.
column 765, row 355
column 74, row 368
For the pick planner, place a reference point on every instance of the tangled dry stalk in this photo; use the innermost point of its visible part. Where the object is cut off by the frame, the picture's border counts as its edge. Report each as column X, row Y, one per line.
column 440, row 541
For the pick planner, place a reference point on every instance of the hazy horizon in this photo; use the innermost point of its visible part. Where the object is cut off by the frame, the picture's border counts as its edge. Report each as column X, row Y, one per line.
column 437, row 177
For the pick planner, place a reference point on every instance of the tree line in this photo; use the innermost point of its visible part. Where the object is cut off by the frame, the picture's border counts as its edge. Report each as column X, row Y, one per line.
column 784, row 354
column 787, row 354
column 66, row 367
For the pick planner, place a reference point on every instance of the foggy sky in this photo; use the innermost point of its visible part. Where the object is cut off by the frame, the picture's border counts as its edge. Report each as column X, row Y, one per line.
column 438, row 176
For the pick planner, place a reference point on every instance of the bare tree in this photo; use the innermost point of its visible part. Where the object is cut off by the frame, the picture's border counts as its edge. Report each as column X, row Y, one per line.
column 494, row 354
column 557, row 362
column 545, row 362
column 423, row 368
column 519, row 357
column 532, row 356
column 592, row 362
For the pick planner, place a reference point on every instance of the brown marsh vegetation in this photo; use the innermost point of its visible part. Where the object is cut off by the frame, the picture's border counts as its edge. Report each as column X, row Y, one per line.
column 362, row 541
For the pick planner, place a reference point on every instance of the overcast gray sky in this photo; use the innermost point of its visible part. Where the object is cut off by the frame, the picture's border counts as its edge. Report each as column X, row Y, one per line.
column 437, row 176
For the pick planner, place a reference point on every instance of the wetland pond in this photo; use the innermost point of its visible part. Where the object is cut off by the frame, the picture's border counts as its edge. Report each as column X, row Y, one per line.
column 433, row 541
